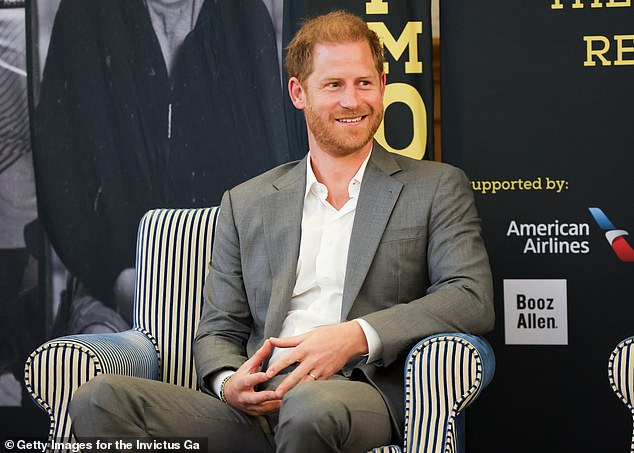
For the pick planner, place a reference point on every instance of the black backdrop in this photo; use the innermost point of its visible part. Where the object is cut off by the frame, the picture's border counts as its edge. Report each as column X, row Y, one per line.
column 527, row 102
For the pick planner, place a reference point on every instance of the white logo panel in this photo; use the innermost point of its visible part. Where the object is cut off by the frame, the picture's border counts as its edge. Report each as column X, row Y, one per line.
column 536, row 312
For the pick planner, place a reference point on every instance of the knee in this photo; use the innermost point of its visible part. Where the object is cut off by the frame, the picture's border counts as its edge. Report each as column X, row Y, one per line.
column 101, row 391
column 306, row 410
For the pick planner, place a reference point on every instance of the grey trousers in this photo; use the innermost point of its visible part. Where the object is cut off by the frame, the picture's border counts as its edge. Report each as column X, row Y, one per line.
column 337, row 415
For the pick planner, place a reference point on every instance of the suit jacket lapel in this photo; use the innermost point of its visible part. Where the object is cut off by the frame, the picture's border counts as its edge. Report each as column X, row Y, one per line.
column 282, row 232
column 379, row 192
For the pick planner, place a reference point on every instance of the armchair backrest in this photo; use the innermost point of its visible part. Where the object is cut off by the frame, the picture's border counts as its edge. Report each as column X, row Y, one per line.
column 173, row 256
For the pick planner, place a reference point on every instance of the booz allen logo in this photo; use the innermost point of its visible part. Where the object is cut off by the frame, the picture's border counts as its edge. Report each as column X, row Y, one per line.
column 615, row 237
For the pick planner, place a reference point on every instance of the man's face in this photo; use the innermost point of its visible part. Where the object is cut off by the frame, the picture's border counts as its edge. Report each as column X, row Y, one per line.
column 342, row 98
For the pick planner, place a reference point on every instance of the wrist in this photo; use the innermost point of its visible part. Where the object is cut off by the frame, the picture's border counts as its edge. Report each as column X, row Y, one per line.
column 222, row 395
column 360, row 340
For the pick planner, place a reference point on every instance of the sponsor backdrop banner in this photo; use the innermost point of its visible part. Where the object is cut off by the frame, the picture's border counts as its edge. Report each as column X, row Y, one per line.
column 537, row 108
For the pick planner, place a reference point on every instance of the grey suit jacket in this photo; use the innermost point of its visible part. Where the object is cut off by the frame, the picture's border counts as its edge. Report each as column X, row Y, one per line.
column 416, row 265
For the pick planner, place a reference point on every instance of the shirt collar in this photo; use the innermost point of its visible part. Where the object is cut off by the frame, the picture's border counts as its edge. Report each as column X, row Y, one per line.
column 354, row 187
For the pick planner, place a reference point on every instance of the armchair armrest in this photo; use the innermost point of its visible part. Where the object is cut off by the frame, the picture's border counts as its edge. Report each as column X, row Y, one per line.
column 444, row 374
column 621, row 375
column 55, row 370
column 620, row 371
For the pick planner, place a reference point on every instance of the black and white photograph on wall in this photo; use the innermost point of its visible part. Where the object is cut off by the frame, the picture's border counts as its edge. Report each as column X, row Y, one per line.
column 21, row 313
column 12, row 3
column 127, row 119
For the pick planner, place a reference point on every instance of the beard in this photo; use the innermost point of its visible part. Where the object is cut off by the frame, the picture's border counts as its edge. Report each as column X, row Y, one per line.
column 338, row 140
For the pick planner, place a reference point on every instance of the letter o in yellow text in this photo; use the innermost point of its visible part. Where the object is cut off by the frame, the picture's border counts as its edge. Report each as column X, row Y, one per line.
column 408, row 95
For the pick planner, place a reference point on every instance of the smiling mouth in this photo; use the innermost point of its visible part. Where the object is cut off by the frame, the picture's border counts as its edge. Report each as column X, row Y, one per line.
column 351, row 120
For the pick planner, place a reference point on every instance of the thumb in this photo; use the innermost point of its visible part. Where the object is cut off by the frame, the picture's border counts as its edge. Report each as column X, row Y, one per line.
column 259, row 356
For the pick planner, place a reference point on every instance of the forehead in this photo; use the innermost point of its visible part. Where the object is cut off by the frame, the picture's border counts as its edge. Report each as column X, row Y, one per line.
column 343, row 59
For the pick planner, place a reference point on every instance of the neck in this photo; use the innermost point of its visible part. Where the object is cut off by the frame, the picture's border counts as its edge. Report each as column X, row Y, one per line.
column 336, row 171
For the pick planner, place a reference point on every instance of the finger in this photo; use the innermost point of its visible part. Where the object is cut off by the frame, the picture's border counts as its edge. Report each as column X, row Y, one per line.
column 298, row 375
column 269, row 407
column 263, row 352
column 307, row 378
column 287, row 342
column 260, row 397
column 312, row 376
column 251, row 380
column 283, row 362
column 259, row 356
column 241, row 382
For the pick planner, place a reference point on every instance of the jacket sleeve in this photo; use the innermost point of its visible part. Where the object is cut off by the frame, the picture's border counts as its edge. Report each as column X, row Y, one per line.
column 459, row 297
column 226, row 322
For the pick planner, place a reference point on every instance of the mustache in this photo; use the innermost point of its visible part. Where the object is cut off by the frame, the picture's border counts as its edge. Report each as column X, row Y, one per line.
column 352, row 113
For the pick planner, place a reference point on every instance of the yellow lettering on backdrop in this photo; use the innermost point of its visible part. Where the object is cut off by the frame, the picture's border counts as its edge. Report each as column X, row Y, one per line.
column 578, row 4
column 407, row 40
column 618, row 3
column 408, row 95
column 557, row 5
column 621, row 49
column 624, row 50
column 376, row 7
column 402, row 92
column 592, row 52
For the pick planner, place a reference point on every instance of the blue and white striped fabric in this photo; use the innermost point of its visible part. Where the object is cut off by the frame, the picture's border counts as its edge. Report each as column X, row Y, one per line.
column 621, row 375
column 173, row 254
column 444, row 373
column 55, row 370
column 386, row 449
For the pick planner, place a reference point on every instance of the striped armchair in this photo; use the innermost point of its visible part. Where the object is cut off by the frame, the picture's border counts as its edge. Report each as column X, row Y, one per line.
column 444, row 373
column 621, row 375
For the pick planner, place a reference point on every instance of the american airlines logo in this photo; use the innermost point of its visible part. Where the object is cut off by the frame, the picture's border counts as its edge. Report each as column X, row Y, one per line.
column 615, row 237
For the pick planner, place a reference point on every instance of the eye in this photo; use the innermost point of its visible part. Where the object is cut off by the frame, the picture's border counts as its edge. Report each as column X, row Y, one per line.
column 333, row 85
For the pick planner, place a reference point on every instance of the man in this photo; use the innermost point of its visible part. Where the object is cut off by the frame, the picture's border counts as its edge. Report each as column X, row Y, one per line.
column 324, row 273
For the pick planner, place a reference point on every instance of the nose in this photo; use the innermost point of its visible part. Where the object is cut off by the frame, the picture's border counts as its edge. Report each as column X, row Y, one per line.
column 349, row 98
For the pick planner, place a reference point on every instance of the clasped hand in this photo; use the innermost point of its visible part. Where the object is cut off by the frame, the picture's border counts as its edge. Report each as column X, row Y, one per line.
column 319, row 354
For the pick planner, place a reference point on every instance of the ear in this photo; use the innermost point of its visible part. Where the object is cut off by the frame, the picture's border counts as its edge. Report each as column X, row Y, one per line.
column 383, row 82
column 297, row 94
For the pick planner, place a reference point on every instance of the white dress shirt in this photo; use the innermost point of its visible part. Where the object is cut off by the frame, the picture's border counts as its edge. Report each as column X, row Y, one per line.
column 321, row 267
